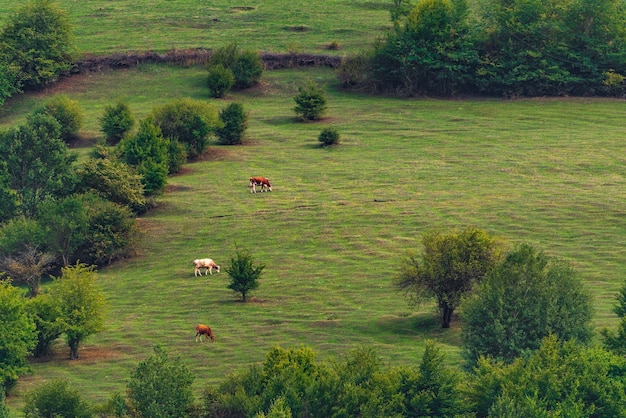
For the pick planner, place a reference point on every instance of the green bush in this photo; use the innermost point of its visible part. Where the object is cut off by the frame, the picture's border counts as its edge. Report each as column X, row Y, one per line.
column 329, row 136
column 177, row 154
column 235, row 122
column 56, row 399
column 247, row 68
column 116, row 122
column 310, row 101
column 69, row 115
column 220, row 80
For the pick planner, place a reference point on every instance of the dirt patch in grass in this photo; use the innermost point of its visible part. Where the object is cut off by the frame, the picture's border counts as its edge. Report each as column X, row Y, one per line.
column 88, row 354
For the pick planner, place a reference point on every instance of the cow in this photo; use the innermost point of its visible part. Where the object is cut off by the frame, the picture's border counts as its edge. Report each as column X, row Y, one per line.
column 204, row 330
column 205, row 263
column 259, row 181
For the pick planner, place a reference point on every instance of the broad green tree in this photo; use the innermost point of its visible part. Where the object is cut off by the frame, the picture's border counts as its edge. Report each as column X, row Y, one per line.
column 160, row 387
column 17, row 338
column 47, row 316
column 449, row 266
column 82, row 304
column 527, row 297
column 65, row 223
column 37, row 39
column 56, row 399
column 244, row 273
column 38, row 162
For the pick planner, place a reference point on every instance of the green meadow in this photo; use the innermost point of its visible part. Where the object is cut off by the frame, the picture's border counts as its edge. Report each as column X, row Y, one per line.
column 549, row 172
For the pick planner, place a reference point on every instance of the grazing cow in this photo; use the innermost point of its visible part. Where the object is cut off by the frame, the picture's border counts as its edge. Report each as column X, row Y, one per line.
column 204, row 330
column 205, row 263
column 259, row 181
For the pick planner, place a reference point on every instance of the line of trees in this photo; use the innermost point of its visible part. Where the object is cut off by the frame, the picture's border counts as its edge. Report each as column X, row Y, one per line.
column 498, row 47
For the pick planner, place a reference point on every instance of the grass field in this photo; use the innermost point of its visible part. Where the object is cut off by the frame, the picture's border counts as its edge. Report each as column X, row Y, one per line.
column 545, row 171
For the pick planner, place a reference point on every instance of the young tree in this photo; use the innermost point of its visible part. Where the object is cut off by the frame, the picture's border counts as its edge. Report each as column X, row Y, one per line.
column 220, row 80
column 38, row 162
column 27, row 266
column 68, row 113
column 328, row 136
column 56, row 399
column 525, row 298
column 244, row 274
column 310, row 101
column 189, row 122
column 47, row 317
column 116, row 122
column 37, row 39
column 17, row 338
column 160, row 386
column 450, row 265
column 235, row 123
column 82, row 304
column 247, row 69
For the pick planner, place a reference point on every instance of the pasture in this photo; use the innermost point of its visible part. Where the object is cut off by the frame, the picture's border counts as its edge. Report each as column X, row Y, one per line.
column 545, row 171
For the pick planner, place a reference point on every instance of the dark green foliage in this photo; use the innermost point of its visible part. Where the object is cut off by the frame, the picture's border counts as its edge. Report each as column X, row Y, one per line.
column 8, row 197
column 220, row 80
column 616, row 341
column 69, row 115
column 527, row 297
column 116, row 122
column 160, row 386
column 247, row 69
column 20, row 233
column 81, row 302
column 558, row 380
column 56, row 399
column 114, row 181
column 244, row 274
column 189, row 122
column 4, row 410
column 38, row 162
column 147, row 151
column 329, row 136
column 451, row 264
column 310, row 101
column 177, row 156
column 17, row 337
column 46, row 315
column 9, row 84
column 36, row 39
column 235, row 123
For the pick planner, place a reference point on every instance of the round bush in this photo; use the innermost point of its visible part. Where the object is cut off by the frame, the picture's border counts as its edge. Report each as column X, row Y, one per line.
column 235, row 122
column 220, row 80
column 329, row 136
column 116, row 122
column 68, row 113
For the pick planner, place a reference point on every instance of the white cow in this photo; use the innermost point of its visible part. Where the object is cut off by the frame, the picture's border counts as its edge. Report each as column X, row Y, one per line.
column 205, row 263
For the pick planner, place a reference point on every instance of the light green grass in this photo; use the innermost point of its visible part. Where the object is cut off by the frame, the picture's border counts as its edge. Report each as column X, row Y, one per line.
column 106, row 26
column 545, row 171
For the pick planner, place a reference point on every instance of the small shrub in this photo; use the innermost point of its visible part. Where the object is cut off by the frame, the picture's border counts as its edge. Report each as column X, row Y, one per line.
column 235, row 122
column 220, row 80
column 333, row 46
column 116, row 122
column 329, row 136
column 247, row 68
column 68, row 113
column 310, row 101
column 56, row 399
column 177, row 153
column 613, row 84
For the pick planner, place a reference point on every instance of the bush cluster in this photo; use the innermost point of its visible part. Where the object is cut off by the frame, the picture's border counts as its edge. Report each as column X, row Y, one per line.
column 230, row 66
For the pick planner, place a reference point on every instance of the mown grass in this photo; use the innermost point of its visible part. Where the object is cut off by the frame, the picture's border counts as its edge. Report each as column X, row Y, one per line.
column 106, row 26
column 545, row 171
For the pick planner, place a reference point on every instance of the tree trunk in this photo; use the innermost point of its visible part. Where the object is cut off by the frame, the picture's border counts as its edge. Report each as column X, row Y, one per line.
column 446, row 316
column 73, row 349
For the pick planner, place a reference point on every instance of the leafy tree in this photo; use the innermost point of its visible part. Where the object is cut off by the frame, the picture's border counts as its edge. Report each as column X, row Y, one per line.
column 189, row 122
column 27, row 267
column 235, row 123
column 559, row 379
column 8, row 197
column 47, row 317
column 450, row 265
column 247, row 69
column 310, row 101
column 65, row 223
column 17, row 337
column 160, row 386
column 9, row 83
column 114, row 181
column 244, row 274
column 21, row 233
column 525, row 298
column 616, row 341
column 220, row 80
column 68, row 113
column 56, row 399
column 37, row 39
column 116, row 122
column 148, row 152
column 82, row 304
column 38, row 162
column 177, row 156
column 329, row 136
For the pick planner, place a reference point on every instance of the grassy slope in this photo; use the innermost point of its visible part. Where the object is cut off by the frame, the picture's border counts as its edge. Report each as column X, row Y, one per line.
column 548, row 172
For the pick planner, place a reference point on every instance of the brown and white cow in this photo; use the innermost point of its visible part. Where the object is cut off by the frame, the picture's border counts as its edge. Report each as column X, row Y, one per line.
column 205, row 263
column 204, row 330
column 259, row 181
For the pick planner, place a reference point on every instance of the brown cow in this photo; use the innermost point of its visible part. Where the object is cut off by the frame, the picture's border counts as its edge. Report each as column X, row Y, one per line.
column 259, row 181
column 204, row 330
